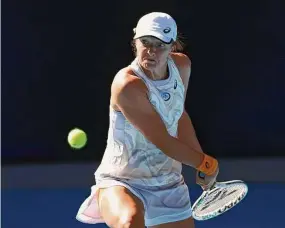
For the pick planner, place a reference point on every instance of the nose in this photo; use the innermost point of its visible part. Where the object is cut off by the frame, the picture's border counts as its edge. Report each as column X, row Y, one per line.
column 151, row 51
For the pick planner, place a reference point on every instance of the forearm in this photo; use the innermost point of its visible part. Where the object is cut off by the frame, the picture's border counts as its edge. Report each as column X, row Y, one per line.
column 182, row 152
column 186, row 148
column 186, row 132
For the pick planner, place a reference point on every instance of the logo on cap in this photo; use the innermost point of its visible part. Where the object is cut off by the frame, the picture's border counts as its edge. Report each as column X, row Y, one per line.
column 167, row 30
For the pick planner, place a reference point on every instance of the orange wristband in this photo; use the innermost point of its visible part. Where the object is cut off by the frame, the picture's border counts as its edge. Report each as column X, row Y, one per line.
column 208, row 166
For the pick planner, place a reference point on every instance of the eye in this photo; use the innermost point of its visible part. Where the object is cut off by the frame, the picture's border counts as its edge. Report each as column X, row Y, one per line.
column 144, row 42
column 161, row 45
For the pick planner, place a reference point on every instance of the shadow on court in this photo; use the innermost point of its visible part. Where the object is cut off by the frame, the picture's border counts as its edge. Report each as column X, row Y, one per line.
column 56, row 208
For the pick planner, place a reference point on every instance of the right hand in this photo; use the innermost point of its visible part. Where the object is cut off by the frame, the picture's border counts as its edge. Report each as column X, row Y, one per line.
column 205, row 181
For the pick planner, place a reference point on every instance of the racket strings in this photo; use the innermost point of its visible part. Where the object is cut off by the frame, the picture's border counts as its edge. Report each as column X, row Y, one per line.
column 218, row 199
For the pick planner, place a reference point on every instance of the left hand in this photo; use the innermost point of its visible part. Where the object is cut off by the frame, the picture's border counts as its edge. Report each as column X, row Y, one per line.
column 205, row 181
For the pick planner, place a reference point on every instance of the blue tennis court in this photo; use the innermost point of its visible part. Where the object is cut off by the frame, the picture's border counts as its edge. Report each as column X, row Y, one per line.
column 56, row 208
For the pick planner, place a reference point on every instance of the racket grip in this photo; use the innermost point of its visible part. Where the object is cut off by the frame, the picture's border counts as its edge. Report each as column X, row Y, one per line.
column 201, row 175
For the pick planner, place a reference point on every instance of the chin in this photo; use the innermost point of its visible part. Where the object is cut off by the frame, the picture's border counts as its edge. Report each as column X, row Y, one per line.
column 149, row 66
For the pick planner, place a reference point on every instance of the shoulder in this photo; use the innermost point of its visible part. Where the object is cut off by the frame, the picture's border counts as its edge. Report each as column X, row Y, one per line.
column 126, row 85
column 183, row 63
column 181, row 60
column 125, row 79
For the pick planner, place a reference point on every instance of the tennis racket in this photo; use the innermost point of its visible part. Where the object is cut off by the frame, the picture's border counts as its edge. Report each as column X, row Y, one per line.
column 221, row 197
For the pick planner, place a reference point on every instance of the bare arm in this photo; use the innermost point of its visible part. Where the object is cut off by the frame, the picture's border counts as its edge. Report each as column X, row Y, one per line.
column 130, row 96
column 186, row 132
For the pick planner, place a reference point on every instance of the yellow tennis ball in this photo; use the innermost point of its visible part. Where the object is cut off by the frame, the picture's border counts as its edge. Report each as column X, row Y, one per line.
column 77, row 138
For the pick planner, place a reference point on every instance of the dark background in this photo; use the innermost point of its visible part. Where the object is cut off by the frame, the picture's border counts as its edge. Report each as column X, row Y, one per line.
column 59, row 59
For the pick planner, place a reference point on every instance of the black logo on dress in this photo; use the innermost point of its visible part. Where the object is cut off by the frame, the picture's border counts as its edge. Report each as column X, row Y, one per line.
column 175, row 84
column 165, row 96
column 167, row 30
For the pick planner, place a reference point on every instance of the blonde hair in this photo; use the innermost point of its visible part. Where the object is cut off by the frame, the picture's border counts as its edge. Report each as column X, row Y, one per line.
column 178, row 45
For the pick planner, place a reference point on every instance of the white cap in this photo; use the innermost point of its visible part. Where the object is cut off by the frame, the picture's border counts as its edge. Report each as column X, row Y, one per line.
column 159, row 25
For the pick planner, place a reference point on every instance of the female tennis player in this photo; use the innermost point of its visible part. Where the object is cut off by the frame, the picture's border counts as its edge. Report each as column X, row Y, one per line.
column 139, row 181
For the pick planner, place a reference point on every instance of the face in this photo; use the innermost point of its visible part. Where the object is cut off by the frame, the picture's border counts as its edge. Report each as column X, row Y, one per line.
column 152, row 53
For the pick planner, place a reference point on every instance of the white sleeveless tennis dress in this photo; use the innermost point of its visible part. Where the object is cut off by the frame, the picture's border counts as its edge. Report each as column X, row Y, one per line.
column 132, row 161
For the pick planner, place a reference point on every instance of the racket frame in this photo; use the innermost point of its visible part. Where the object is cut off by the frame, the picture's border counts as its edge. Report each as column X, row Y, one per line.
column 227, row 206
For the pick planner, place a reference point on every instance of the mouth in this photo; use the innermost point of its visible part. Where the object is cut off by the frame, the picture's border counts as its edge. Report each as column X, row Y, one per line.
column 150, row 60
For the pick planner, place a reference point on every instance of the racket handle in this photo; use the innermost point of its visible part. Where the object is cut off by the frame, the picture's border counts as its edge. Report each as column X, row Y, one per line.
column 201, row 175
